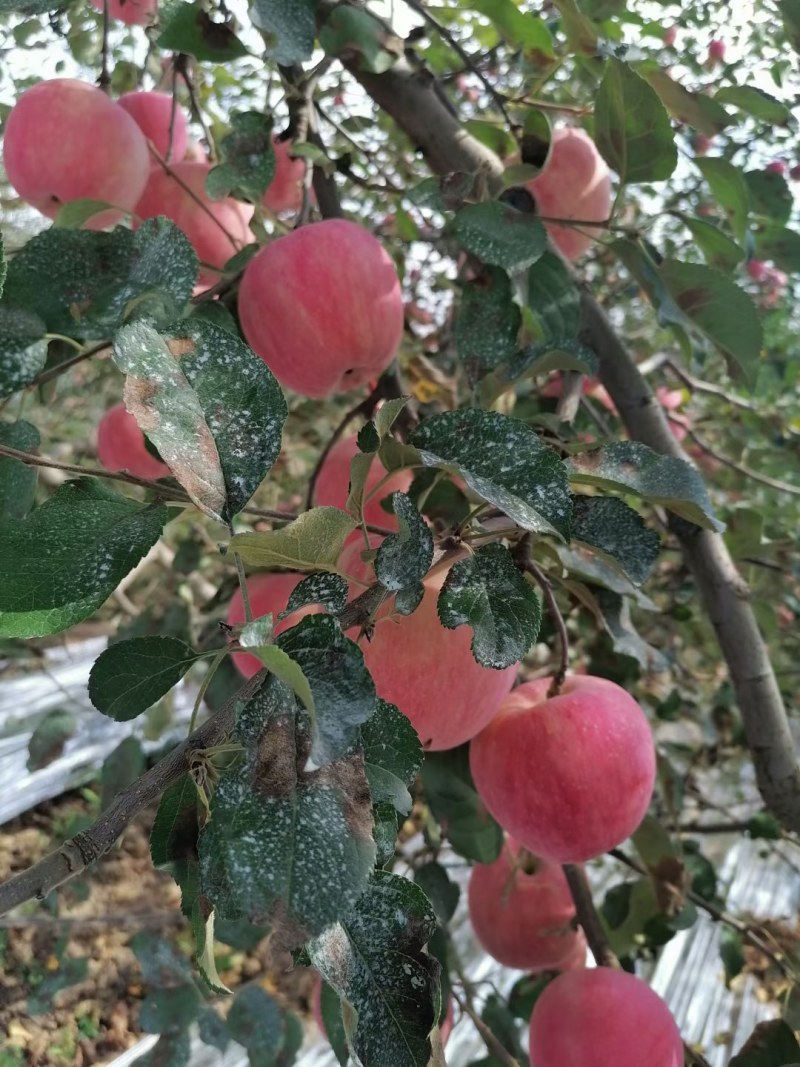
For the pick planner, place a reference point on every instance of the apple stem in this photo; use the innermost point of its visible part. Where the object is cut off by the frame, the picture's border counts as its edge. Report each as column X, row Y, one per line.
column 588, row 918
column 523, row 556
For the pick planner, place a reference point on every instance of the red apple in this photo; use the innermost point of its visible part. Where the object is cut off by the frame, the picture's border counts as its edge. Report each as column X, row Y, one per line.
column 701, row 144
column 794, row 173
column 65, row 140
column 285, row 191
column 333, row 484
column 152, row 113
column 670, row 36
column 574, row 184
column 132, row 12
column 757, row 269
column 121, row 446
column 600, row 1017
column 216, row 228
column 568, row 776
column 268, row 594
column 777, row 166
column 428, row 671
column 322, row 307
column 716, row 52
column 522, row 911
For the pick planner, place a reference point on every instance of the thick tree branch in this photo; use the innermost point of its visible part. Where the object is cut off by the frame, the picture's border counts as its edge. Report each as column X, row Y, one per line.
column 410, row 97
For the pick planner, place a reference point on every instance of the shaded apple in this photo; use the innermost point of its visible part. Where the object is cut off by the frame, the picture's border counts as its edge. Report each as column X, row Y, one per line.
column 268, row 595
column 285, row 191
column 568, row 776
column 66, row 140
column 333, row 483
column 121, row 446
column 153, row 114
column 131, row 12
column 322, row 307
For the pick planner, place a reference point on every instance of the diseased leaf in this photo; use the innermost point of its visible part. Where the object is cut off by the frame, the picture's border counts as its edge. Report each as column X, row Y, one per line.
column 374, row 959
column 631, row 128
column 329, row 590
column 608, row 524
column 189, row 28
column 488, row 592
column 403, row 558
column 534, row 360
column 499, row 235
column 257, row 1021
column 631, row 467
column 286, row 847
column 23, row 349
column 553, row 298
column 502, row 460
column 284, row 667
column 771, row 1044
column 130, row 676
column 288, row 26
column 248, row 158
column 392, row 756
column 67, row 557
column 450, row 792
column 17, row 479
column 314, row 541
column 48, row 739
column 487, row 323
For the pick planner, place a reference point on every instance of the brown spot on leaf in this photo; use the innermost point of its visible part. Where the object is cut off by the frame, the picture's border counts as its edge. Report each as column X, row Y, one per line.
column 180, row 346
column 693, row 299
column 349, row 776
column 275, row 766
column 670, row 881
column 137, row 395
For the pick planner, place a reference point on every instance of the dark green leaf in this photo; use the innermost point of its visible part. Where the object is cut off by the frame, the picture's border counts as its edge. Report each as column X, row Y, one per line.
column 755, row 102
column 695, row 109
column 488, row 592
column 608, row 524
column 314, row 541
column 392, row 756
column 331, row 1010
column 23, row 350
column 409, row 599
column 553, row 297
column 770, row 195
column 525, row 992
column 564, row 355
column 790, row 13
column 67, row 557
column 403, row 558
column 764, row 825
column 209, row 405
column 487, row 323
column 519, row 28
column 174, row 834
column 443, row 894
column 614, row 613
column 374, row 959
column 173, row 1049
column 130, row 676
column 731, row 950
column 285, row 846
column 727, row 184
column 385, row 833
column 213, row 1029
column 343, row 691
column 330, row 590
column 499, row 235
column 361, row 38
column 449, row 790
column 718, row 249
column 632, row 129
column 171, row 1008
column 121, row 768
column 257, row 1021
column 248, row 158
column 629, row 466
column 70, row 971
column 17, row 479
column 502, row 460
column 771, row 1044
column 189, row 28
column 782, row 247
column 288, row 26
column 48, row 739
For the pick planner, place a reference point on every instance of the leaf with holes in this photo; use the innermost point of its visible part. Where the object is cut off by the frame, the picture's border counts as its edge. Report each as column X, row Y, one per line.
column 130, row 676
column 248, row 158
column 313, row 541
column 68, row 556
column 499, row 235
column 631, row 128
column 375, row 960
column 487, row 323
column 631, row 467
column 17, row 479
column 502, row 460
column 487, row 592
column 618, row 532
column 285, row 846
column 403, row 558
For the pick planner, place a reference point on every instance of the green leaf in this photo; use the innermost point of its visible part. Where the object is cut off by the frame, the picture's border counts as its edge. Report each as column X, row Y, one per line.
column 285, row 846
column 770, row 195
column 121, row 768
column 173, row 1049
column 631, row 128
column 17, row 479
column 392, row 756
column 519, row 28
column 534, row 360
column 782, row 247
column 618, row 532
column 48, row 739
column 386, row 415
column 189, row 28
column 331, row 1010
column 329, row 590
column 248, row 158
column 613, row 612
column 403, row 558
column 729, row 189
column 76, row 213
column 289, row 27
column 771, row 1044
column 68, row 556
column 764, row 825
column 695, row 109
column 755, row 102
column 170, row 1009
column 443, row 894
column 731, row 951
column 313, row 541
column 257, row 1021
column 174, row 834
column 502, row 460
column 70, row 971
column 581, row 33
column 342, row 688
column 212, row 1029
column 790, row 13
column 360, row 39
column 553, row 298
column 487, row 323
column 718, row 249
column 209, row 405
column 23, row 349
column 631, row 467
column 85, row 283
column 450, row 792
column 720, row 310
column 282, row 666
column 374, row 959
column 130, row 676
column 499, row 235
column 488, row 592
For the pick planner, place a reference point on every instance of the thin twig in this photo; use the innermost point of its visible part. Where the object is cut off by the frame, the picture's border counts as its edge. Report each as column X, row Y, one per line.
column 523, row 555
column 65, row 365
column 104, row 81
column 699, row 386
column 763, row 479
column 588, row 918
column 495, row 1047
